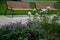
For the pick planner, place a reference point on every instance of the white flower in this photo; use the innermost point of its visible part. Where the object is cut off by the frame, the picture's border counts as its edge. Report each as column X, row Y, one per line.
column 29, row 13
column 36, row 14
column 44, row 9
column 34, row 9
column 48, row 7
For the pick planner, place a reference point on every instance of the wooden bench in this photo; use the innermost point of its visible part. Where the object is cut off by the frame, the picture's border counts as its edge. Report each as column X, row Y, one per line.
column 44, row 5
column 18, row 5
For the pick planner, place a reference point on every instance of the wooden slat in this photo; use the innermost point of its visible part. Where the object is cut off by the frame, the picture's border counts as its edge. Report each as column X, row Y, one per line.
column 18, row 5
column 44, row 5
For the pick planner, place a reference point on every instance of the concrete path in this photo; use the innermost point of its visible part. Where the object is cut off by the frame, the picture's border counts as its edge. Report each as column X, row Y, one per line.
column 17, row 18
column 8, row 19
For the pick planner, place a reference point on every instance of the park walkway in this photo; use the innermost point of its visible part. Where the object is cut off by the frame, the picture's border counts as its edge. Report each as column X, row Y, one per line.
column 18, row 18
column 8, row 19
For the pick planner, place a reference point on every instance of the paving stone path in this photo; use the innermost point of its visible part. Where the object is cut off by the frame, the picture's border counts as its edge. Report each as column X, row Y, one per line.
column 17, row 18
column 7, row 20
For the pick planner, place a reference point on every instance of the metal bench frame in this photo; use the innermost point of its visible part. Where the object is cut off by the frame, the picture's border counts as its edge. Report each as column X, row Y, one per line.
column 8, row 9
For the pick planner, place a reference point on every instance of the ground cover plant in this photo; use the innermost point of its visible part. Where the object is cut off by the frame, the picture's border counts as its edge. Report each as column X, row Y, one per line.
column 32, row 30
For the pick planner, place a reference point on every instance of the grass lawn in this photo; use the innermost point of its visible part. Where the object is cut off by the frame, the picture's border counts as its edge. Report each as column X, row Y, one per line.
column 57, row 5
column 38, row 0
column 9, row 12
column 32, row 5
column 21, row 12
column 2, row 8
column 16, row 12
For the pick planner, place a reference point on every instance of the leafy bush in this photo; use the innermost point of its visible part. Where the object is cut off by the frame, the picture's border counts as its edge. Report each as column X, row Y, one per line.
column 32, row 30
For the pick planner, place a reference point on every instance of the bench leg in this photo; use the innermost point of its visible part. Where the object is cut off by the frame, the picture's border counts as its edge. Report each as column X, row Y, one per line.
column 12, row 13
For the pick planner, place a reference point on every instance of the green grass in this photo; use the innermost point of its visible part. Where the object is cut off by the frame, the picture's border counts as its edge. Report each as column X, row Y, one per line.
column 9, row 12
column 57, row 5
column 39, row 0
column 32, row 5
column 2, row 7
column 21, row 12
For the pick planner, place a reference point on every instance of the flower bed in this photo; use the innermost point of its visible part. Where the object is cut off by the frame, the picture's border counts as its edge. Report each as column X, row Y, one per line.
column 32, row 30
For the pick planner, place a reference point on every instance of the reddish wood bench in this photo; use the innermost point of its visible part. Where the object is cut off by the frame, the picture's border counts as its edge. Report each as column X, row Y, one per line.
column 18, row 5
column 44, row 5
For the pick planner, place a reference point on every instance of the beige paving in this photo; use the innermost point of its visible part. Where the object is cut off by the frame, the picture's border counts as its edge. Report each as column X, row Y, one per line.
column 7, row 20
column 18, row 18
